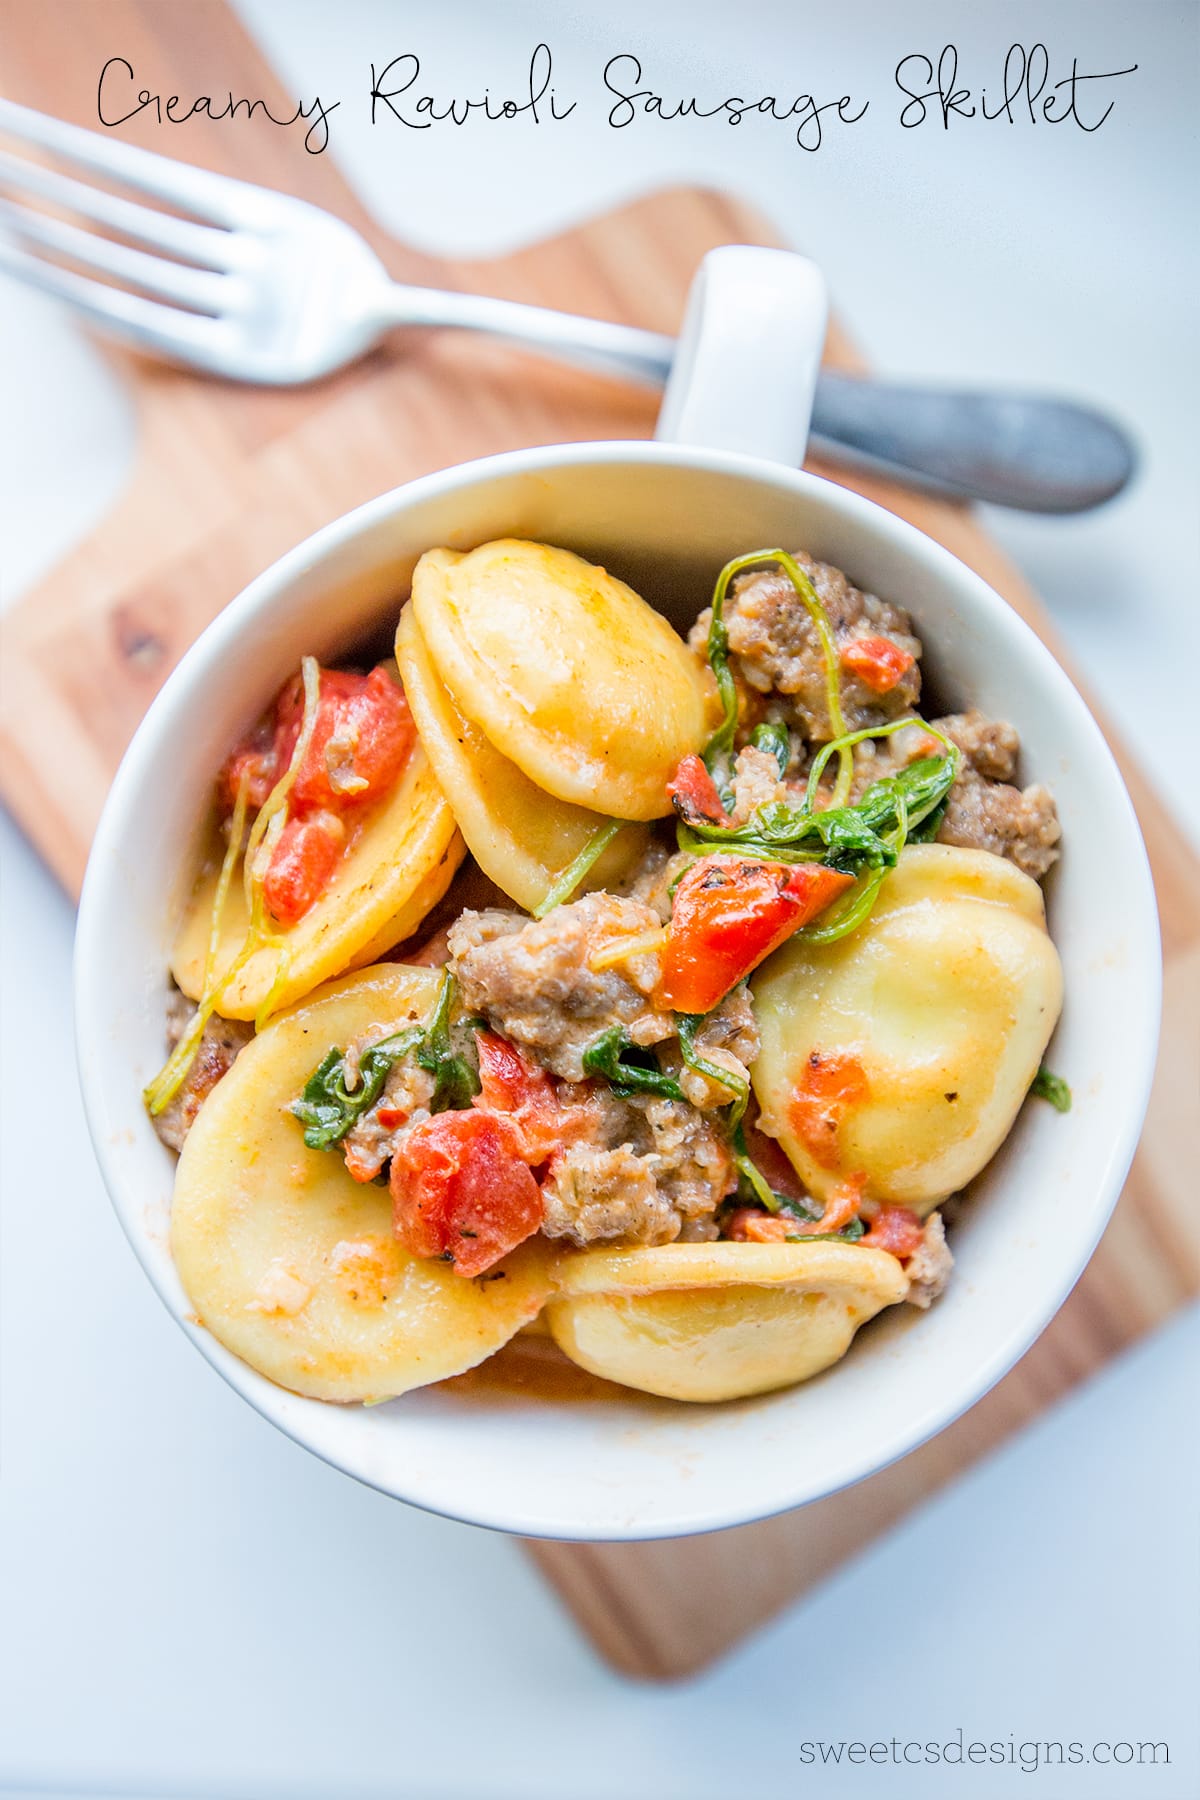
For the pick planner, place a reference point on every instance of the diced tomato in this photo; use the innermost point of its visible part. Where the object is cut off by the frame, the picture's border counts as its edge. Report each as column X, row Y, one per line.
column 896, row 1229
column 693, row 793
column 255, row 760
column 301, row 864
column 361, row 739
column 840, row 1210
column 462, row 1190
column 878, row 663
column 510, row 1085
column 363, row 1165
column 728, row 914
column 751, row 1225
column 830, row 1083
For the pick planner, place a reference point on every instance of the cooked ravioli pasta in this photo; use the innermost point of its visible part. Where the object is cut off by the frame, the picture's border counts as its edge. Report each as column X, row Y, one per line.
column 396, row 870
column 521, row 836
column 944, row 1001
column 709, row 1322
column 566, row 670
column 747, row 969
column 291, row 1263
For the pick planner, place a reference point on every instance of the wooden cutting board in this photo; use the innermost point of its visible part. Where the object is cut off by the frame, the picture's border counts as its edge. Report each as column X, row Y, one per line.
column 225, row 479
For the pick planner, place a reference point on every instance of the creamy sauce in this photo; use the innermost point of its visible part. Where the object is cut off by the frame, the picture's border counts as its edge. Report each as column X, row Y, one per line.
column 532, row 1366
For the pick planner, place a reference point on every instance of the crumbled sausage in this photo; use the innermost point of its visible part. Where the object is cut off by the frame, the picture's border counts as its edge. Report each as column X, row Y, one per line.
column 728, row 1038
column 406, row 1099
column 756, row 782
column 605, row 1197
column 990, row 747
column 985, row 811
column 533, row 981
column 1021, row 824
column 776, row 648
column 928, row 1268
column 635, row 1171
column 219, row 1045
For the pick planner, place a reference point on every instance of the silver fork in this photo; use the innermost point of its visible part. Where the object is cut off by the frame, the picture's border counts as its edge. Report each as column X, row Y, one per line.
column 260, row 287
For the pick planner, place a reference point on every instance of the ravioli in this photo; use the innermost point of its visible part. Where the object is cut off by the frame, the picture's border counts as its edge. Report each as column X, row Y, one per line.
column 291, row 1263
column 940, row 1007
column 397, row 868
column 707, row 1322
column 521, row 837
column 566, row 671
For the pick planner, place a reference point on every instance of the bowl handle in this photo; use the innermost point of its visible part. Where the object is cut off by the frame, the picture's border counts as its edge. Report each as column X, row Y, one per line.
column 745, row 369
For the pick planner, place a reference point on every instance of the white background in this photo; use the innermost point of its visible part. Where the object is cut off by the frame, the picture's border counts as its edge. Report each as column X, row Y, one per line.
column 191, row 1605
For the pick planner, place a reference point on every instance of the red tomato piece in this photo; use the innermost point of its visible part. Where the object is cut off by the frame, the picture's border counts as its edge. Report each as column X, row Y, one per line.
column 361, row 739
column 255, row 760
column 693, row 793
column 896, row 1229
column 841, row 1209
column 301, row 865
column 750, row 1225
column 878, row 663
column 461, row 1190
column 521, row 1092
column 363, row 1165
column 730, row 913
column 830, row 1084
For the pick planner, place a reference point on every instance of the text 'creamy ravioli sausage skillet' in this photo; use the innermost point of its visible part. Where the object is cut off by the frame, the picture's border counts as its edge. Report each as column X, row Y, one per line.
column 561, row 970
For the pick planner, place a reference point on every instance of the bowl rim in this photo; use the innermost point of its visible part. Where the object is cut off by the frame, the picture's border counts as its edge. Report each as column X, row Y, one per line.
column 269, row 590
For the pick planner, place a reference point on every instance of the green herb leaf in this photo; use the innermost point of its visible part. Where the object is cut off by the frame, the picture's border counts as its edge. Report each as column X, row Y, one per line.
column 754, row 1188
column 688, row 1026
column 575, row 872
column 1048, row 1086
column 775, row 740
column 328, row 1108
column 456, row 1081
column 849, row 1234
column 863, row 840
column 611, row 1057
column 718, row 751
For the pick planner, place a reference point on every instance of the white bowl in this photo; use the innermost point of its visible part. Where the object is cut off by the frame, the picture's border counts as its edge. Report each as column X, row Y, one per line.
column 663, row 518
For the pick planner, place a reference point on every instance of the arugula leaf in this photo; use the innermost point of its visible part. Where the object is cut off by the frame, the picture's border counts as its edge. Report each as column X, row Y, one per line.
column 688, row 1026
column 456, row 1081
column 863, row 840
column 328, row 1109
column 608, row 1056
column 910, row 795
column 1048, row 1086
column 754, row 1189
column 582, row 866
column 775, row 740
column 849, row 1234
column 850, row 837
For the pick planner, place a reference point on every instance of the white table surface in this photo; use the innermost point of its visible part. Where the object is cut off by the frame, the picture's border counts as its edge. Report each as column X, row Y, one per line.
column 189, row 1604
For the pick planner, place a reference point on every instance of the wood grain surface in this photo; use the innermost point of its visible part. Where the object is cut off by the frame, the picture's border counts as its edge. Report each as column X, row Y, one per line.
column 225, row 479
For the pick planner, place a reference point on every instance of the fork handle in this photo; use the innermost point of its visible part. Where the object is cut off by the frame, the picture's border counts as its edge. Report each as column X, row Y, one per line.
column 1030, row 451
column 595, row 344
